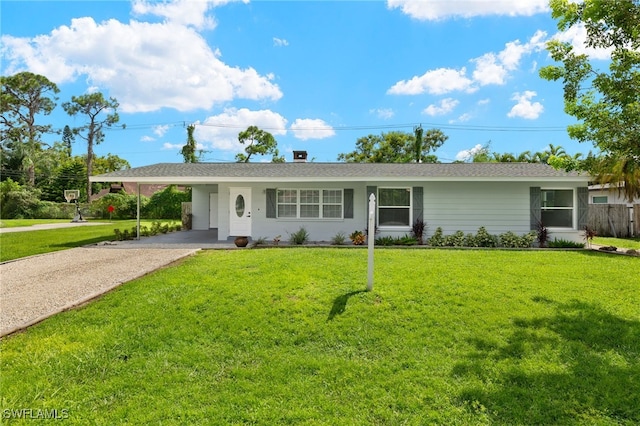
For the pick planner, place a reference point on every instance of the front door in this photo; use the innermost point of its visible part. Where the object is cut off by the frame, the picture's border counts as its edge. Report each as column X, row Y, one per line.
column 240, row 212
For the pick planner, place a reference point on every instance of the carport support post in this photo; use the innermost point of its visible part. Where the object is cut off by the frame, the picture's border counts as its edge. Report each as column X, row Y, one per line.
column 371, row 235
column 138, row 212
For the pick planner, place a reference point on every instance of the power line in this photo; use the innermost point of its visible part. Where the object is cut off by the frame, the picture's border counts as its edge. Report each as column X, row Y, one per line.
column 402, row 126
column 446, row 126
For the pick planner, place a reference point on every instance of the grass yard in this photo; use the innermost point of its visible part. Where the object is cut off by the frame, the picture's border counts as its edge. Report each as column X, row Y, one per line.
column 15, row 245
column 277, row 336
column 627, row 243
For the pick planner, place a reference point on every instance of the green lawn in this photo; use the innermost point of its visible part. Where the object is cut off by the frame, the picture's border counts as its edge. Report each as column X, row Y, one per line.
column 627, row 243
column 14, row 245
column 277, row 336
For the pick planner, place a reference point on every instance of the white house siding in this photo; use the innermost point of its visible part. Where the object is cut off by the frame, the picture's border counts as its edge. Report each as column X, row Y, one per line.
column 498, row 206
column 269, row 228
column 200, row 205
column 465, row 206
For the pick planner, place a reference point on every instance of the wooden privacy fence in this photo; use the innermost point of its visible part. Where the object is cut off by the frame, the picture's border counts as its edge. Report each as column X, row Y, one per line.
column 614, row 220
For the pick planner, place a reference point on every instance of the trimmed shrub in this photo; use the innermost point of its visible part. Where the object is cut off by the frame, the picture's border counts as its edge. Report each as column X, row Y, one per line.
column 470, row 241
column 455, row 240
column 485, row 239
column 512, row 240
column 436, row 240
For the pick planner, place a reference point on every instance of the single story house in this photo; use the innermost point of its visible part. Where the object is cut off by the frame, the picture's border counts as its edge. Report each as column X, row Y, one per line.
column 609, row 194
column 271, row 199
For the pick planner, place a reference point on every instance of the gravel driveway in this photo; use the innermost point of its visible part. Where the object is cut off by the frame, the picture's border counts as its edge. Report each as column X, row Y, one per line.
column 34, row 288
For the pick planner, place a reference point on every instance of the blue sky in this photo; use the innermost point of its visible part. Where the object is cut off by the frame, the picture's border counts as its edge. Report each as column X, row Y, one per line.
column 318, row 75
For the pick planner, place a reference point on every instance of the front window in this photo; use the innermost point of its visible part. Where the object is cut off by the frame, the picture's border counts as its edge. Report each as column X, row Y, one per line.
column 557, row 208
column 600, row 199
column 287, row 203
column 310, row 203
column 394, row 207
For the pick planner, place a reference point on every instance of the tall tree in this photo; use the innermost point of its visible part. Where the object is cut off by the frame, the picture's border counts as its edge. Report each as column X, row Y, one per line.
column 395, row 147
column 99, row 113
column 188, row 151
column 606, row 102
column 24, row 97
column 71, row 173
column 258, row 142
column 67, row 139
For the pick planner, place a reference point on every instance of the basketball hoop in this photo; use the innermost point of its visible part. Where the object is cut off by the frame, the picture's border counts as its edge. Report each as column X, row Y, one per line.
column 72, row 195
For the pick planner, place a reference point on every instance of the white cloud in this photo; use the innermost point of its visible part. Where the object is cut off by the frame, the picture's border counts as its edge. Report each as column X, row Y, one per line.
column 146, row 66
column 490, row 68
column 444, row 107
column 488, row 71
column 433, row 10
column 463, row 118
column 436, row 82
column 525, row 108
column 308, row 128
column 178, row 146
column 467, row 154
column 160, row 130
column 485, row 101
column 182, row 12
column 280, row 42
column 171, row 146
column 221, row 131
column 383, row 113
column 513, row 51
column 147, row 139
column 534, row 66
column 577, row 37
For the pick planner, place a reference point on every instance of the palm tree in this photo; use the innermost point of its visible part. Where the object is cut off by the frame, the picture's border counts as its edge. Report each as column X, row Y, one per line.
column 552, row 151
column 621, row 171
column 525, row 157
column 504, row 158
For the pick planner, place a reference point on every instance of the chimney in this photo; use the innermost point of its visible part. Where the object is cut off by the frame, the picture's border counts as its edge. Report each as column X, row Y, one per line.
column 299, row 156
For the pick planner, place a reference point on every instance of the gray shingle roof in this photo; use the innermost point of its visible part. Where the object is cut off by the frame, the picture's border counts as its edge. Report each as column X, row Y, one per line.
column 255, row 172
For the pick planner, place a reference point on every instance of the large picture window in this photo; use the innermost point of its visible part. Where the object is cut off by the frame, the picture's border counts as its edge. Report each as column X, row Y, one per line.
column 394, row 207
column 557, row 208
column 310, row 203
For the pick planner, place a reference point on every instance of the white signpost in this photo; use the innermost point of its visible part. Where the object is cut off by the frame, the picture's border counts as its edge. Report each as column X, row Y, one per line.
column 371, row 239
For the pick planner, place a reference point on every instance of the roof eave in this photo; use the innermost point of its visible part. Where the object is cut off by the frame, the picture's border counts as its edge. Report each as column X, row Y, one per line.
column 199, row 180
